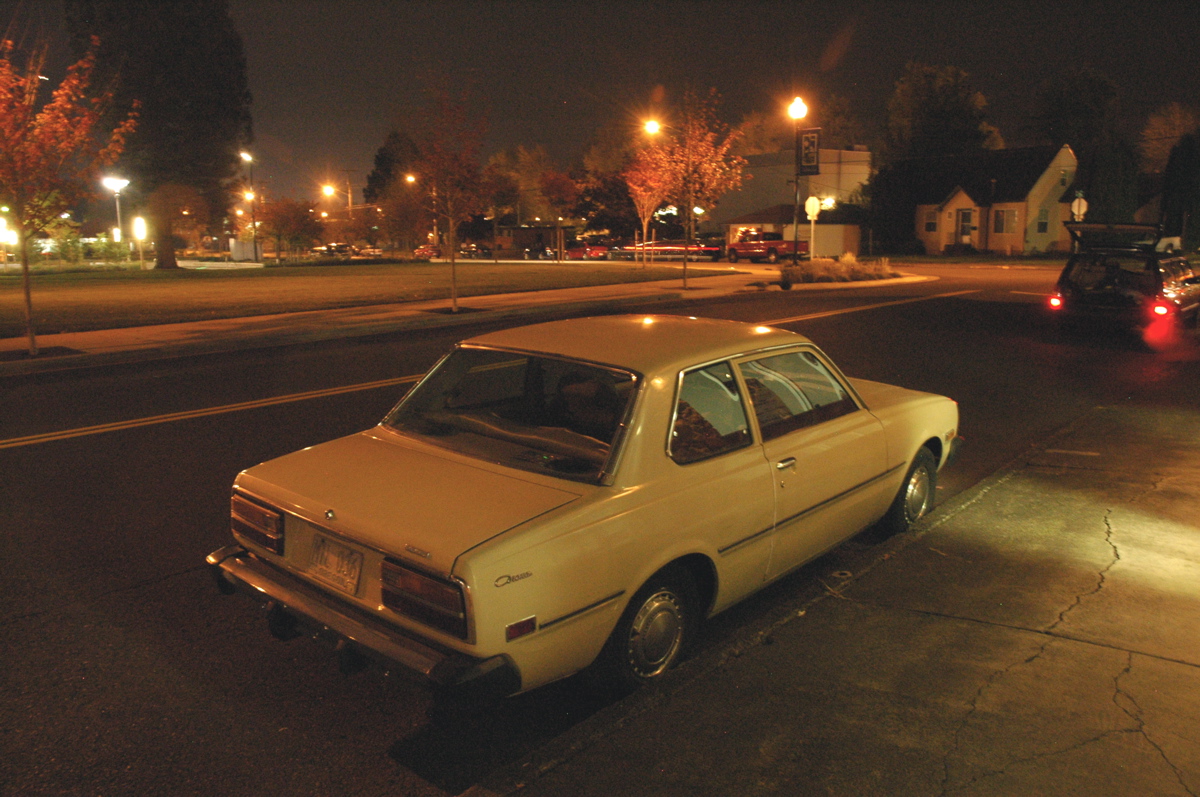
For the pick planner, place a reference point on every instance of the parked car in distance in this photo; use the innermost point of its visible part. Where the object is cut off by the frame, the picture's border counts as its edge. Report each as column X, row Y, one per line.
column 769, row 246
column 1126, row 275
column 474, row 251
column 427, row 251
column 579, row 494
column 587, row 250
column 336, row 250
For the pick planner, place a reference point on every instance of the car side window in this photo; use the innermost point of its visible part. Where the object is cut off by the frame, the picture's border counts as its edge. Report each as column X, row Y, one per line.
column 793, row 390
column 710, row 415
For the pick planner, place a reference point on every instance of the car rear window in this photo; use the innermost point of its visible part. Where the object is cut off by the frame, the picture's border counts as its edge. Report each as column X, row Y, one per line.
column 526, row 411
column 1106, row 272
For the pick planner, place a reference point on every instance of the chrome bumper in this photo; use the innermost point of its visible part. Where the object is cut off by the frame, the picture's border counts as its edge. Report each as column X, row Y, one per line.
column 237, row 570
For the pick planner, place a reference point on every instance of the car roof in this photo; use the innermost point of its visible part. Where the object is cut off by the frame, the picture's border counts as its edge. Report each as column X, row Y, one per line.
column 648, row 344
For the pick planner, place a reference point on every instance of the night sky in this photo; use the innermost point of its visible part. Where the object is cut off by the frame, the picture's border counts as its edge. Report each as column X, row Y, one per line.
column 331, row 78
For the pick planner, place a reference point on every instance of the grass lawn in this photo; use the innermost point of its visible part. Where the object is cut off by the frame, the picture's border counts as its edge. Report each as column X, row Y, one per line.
column 81, row 301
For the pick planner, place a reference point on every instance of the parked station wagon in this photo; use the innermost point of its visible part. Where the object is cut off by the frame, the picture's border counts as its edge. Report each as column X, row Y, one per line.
column 1127, row 275
column 580, row 494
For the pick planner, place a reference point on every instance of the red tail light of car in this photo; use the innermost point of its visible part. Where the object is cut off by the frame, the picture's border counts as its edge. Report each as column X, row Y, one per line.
column 1055, row 302
column 424, row 598
column 257, row 523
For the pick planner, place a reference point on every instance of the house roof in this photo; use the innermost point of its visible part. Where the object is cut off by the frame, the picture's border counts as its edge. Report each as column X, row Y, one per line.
column 988, row 177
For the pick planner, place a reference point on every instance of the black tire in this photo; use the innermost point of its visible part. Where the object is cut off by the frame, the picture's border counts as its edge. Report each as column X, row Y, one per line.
column 733, row 256
column 655, row 632
column 915, row 497
column 772, row 256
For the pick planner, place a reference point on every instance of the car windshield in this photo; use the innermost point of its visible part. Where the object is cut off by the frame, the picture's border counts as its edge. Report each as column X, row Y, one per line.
column 531, row 412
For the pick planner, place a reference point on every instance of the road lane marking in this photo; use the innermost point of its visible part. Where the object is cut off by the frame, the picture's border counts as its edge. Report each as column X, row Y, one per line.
column 1073, row 453
column 135, row 423
column 828, row 313
column 172, row 417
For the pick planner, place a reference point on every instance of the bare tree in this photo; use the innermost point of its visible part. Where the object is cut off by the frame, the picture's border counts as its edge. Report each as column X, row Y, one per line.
column 51, row 153
column 451, row 171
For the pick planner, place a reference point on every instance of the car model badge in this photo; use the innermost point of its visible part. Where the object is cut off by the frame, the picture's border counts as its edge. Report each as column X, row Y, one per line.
column 417, row 551
column 329, row 515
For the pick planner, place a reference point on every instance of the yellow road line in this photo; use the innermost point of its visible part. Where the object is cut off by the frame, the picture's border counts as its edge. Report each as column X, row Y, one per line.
column 183, row 416
column 827, row 313
column 135, row 423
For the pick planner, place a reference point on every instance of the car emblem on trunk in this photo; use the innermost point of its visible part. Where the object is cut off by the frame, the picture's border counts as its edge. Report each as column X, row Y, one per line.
column 417, row 551
column 329, row 515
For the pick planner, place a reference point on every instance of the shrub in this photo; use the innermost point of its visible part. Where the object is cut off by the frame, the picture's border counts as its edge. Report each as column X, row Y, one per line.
column 825, row 269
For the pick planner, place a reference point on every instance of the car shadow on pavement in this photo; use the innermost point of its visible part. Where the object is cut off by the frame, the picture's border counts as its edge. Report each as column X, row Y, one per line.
column 463, row 742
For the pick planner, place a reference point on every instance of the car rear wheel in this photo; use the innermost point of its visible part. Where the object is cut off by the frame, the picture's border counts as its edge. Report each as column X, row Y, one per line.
column 915, row 497
column 772, row 256
column 654, row 632
column 733, row 256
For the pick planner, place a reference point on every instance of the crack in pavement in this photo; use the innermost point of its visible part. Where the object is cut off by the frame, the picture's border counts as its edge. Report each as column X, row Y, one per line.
column 1102, row 575
column 990, row 681
column 1119, row 698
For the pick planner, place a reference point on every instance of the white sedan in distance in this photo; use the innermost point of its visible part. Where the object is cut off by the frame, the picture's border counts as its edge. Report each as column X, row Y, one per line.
column 578, row 494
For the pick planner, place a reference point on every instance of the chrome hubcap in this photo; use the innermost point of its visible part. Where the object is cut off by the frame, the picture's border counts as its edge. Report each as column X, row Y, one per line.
column 656, row 635
column 916, row 495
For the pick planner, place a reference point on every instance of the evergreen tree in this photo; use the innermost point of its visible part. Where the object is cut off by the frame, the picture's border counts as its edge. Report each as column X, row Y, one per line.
column 182, row 60
column 396, row 158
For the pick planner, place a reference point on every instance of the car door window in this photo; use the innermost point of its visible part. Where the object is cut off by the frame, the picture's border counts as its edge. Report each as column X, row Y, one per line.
column 710, row 415
column 793, row 390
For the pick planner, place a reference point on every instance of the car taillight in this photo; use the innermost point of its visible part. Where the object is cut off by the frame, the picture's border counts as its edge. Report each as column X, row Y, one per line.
column 432, row 601
column 1055, row 302
column 1161, row 309
column 257, row 523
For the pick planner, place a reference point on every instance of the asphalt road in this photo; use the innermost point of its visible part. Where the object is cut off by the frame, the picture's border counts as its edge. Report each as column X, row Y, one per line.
column 125, row 672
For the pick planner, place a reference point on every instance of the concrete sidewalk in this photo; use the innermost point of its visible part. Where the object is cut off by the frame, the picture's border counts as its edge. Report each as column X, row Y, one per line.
column 1038, row 635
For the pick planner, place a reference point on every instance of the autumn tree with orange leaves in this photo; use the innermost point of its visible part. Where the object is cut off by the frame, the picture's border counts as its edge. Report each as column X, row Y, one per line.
column 650, row 178
column 51, row 152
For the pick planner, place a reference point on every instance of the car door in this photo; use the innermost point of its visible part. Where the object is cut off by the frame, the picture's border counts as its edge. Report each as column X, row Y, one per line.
column 728, row 486
column 827, row 453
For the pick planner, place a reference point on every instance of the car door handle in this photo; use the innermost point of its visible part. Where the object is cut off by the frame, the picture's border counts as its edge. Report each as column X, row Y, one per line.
column 784, row 464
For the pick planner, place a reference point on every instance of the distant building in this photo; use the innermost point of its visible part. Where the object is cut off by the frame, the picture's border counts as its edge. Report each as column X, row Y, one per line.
column 838, row 230
column 1007, row 201
column 769, row 182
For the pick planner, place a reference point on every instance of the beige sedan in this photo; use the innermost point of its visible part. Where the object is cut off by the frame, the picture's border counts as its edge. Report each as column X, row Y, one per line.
column 579, row 494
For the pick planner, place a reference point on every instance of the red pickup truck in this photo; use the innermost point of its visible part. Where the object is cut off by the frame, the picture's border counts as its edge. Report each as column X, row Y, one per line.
column 768, row 246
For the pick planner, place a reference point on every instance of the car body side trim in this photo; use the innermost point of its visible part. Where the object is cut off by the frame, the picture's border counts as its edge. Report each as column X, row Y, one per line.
column 840, row 495
column 731, row 546
column 584, row 610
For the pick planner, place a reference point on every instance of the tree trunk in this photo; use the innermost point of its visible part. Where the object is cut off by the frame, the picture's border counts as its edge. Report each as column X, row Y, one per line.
column 33, row 347
column 164, row 244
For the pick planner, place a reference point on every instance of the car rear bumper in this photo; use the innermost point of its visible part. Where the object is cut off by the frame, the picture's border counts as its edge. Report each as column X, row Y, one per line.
column 295, row 604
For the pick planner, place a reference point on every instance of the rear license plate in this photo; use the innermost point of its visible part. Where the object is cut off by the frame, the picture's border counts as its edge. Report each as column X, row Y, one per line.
column 336, row 564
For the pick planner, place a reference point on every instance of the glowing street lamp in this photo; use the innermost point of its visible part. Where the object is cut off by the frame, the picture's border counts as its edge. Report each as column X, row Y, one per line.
column 116, row 184
column 139, row 235
column 797, row 110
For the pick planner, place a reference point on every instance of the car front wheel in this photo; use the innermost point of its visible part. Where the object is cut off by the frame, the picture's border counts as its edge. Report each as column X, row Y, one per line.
column 915, row 497
column 733, row 256
column 654, row 632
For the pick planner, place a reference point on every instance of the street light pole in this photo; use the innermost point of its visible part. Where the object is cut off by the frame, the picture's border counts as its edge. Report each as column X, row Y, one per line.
column 797, row 110
column 252, row 198
column 115, row 184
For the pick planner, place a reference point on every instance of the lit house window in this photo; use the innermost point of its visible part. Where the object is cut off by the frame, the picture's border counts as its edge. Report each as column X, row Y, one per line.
column 1004, row 221
column 1043, row 221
